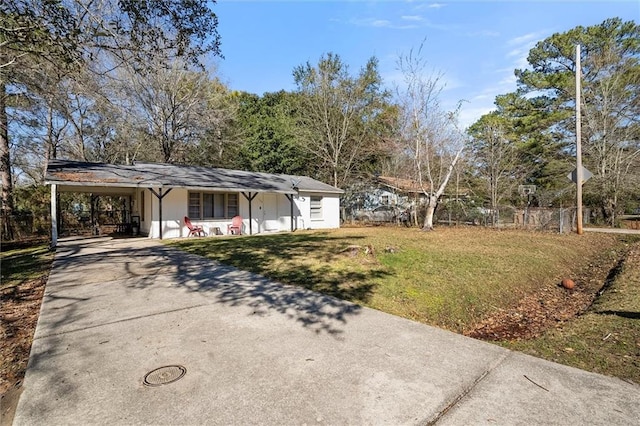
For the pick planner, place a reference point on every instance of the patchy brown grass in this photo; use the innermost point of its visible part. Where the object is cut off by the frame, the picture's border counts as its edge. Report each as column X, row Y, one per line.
column 605, row 338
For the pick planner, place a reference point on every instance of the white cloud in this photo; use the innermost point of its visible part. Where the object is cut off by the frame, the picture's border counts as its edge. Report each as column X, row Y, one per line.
column 517, row 52
column 470, row 113
column 381, row 23
column 416, row 18
column 436, row 5
column 525, row 39
column 508, row 80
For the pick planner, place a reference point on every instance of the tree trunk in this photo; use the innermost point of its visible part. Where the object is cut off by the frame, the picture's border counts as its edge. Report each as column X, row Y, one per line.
column 433, row 197
column 5, row 166
column 431, row 209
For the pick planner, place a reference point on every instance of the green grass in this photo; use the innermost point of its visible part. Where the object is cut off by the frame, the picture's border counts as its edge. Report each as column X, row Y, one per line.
column 27, row 263
column 450, row 278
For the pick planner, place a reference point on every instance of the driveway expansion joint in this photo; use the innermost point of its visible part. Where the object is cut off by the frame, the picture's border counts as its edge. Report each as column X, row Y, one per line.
column 123, row 320
column 467, row 390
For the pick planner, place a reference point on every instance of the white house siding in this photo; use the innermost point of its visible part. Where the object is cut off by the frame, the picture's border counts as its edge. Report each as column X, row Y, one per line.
column 303, row 220
column 284, row 208
column 330, row 211
column 270, row 213
column 174, row 208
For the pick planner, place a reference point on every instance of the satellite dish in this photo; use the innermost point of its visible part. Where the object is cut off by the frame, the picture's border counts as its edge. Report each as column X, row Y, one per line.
column 295, row 183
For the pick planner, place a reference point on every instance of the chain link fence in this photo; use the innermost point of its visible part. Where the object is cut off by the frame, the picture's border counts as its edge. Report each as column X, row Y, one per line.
column 562, row 220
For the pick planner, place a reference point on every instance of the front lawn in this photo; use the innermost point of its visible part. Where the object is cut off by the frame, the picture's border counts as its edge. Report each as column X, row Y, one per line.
column 451, row 278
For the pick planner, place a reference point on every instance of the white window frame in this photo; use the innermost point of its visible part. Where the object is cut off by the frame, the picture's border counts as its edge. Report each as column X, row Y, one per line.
column 231, row 206
column 315, row 207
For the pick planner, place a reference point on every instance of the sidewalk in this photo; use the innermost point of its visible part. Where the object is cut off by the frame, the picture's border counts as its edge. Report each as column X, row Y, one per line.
column 256, row 352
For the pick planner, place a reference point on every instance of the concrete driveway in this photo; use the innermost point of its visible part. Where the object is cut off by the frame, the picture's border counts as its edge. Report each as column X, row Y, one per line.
column 257, row 352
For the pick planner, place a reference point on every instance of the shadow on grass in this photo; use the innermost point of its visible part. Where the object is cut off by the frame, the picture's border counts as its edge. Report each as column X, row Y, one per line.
column 22, row 266
column 622, row 314
column 293, row 254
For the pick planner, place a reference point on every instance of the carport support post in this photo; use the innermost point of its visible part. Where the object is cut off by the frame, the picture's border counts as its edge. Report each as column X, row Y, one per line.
column 54, row 215
column 249, row 196
column 290, row 198
column 160, row 196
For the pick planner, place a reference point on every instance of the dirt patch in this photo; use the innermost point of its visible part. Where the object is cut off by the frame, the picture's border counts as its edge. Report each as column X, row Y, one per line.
column 19, row 311
column 551, row 305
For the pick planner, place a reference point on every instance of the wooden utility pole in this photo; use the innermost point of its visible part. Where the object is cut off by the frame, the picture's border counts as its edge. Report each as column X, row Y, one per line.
column 578, row 146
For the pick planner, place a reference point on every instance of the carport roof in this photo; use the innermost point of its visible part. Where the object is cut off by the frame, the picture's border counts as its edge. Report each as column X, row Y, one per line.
column 75, row 174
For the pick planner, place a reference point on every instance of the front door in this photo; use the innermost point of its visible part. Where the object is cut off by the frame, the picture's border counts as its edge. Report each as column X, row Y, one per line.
column 269, row 213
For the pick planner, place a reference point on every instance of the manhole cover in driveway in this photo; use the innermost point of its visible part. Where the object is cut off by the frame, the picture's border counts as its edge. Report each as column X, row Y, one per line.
column 164, row 375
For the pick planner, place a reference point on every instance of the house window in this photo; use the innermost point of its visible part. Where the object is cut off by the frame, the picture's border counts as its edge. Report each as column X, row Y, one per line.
column 316, row 207
column 232, row 205
column 212, row 205
column 194, row 205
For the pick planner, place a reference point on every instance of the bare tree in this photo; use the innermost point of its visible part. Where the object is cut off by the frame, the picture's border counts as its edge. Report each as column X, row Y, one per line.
column 78, row 34
column 431, row 135
column 174, row 108
column 339, row 113
column 612, row 127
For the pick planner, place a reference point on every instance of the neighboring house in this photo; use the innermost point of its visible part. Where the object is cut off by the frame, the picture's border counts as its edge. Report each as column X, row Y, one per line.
column 161, row 195
column 386, row 191
column 408, row 192
column 400, row 192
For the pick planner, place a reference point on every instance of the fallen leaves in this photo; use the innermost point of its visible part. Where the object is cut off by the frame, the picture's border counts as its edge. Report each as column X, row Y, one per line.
column 546, row 308
column 19, row 310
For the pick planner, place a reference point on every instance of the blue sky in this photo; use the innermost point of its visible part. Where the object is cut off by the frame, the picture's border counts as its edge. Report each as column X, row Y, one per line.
column 475, row 44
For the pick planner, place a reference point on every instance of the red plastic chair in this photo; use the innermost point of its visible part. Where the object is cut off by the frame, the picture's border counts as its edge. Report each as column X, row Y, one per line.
column 236, row 226
column 194, row 229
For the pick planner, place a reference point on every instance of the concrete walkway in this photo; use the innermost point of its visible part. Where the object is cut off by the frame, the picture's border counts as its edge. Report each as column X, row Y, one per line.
column 257, row 352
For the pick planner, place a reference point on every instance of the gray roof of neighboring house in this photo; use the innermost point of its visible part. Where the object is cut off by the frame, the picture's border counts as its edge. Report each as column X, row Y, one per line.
column 145, row 175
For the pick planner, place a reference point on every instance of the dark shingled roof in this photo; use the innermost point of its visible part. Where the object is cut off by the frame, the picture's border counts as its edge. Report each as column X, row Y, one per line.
column 145, row 175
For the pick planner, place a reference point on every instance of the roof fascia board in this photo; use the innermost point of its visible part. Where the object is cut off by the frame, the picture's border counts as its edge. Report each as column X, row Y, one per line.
column 217, row 189
column 158, row 185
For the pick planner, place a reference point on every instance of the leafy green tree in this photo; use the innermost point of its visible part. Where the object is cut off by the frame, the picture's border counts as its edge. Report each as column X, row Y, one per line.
column 496, row 159
column 267, row 127
column 543, row 147
column 610, row 93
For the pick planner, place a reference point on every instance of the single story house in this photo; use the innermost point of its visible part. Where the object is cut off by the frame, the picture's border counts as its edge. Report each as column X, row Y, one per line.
column 161, row 195
column 408, row 192
column 399, row 191
column 385, row 191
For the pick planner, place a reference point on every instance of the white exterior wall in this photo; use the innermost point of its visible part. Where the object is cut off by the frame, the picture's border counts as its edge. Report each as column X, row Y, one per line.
column 144, row 210
column 174, row 208
column 330, row 211
column 270, row 213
